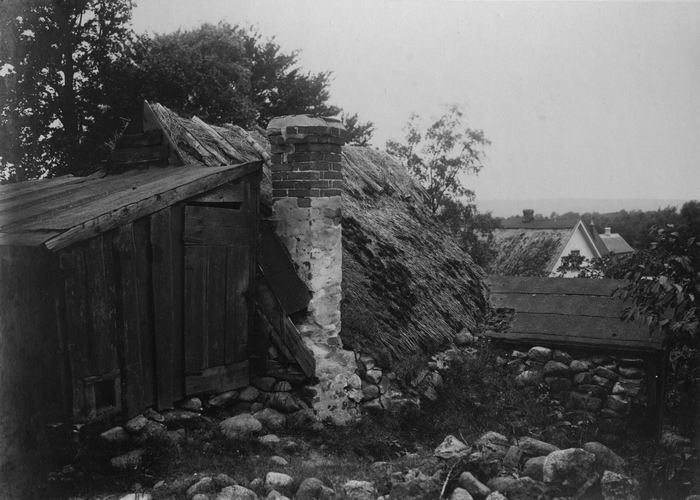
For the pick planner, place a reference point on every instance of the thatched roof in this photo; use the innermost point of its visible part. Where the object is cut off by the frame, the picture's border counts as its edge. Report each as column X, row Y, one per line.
column 528, row 252
column 407, row 285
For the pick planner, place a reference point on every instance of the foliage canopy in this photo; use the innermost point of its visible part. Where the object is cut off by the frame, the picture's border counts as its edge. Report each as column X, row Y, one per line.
column 73, row 73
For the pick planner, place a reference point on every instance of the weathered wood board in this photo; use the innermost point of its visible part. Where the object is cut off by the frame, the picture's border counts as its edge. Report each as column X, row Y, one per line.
column 564, row 311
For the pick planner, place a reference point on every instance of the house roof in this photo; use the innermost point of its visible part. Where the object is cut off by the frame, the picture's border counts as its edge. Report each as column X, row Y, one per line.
column 528, row 252
column 395, row 301
column 567, row 312
column 519, row 223
column 615, row 244
column 64, row 210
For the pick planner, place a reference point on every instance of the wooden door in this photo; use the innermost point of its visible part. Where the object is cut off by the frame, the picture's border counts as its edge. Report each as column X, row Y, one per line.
column 219, row 257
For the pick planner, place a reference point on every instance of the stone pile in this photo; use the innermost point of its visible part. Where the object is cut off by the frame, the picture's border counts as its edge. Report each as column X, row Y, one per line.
column 598, row 391
column 494, row 467
column 268, row 403
column 377, row 388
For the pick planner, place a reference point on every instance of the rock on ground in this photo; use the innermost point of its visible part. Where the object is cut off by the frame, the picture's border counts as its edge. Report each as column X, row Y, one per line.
column 451, row 447
column 129, row 460
column 524, row 488
column 359, row 490
column 312, row 488
column 605, row 458
column 536, row 448
column 534, row 468
column 240, row 426
column 616, row 486
column 272, row 419
column 570, row 467
column 473, row 485
column 236, row 492
column 280, row 482
column 460, row 494
column 205, row 485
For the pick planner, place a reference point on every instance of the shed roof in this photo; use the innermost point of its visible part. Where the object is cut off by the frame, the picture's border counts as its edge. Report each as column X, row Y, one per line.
column 567, row 312
column 64, row 210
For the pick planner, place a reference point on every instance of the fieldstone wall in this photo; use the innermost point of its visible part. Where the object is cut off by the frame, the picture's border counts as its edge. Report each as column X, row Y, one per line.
column 306, row 190
column 605, row 393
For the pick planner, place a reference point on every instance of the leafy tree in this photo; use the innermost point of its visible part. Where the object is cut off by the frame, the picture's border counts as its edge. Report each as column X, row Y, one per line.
column 474, row 230
column 63, row 56
column 441, row 155
column 358, row 133
column 438, row 158
column 228, row 74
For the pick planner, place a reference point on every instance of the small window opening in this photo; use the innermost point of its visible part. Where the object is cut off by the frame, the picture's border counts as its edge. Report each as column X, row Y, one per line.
column 105, row 395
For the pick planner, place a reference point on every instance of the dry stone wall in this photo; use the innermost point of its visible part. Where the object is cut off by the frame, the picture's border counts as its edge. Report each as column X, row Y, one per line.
column 605, row 393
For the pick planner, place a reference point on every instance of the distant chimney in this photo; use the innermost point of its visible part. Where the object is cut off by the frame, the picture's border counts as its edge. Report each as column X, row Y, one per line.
column 608, row 231
column 528, row 215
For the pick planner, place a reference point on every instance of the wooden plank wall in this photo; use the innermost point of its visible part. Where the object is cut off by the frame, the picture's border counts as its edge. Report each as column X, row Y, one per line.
column 122, row 307
column 168, row 282
column 33, row 383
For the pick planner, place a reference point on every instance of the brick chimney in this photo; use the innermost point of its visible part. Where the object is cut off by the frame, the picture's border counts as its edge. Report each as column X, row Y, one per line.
column 306, row 188
column 608, row 231
column 528, row 215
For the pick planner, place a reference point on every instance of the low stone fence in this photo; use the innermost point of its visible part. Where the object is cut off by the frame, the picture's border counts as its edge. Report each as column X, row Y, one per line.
column 610, row 394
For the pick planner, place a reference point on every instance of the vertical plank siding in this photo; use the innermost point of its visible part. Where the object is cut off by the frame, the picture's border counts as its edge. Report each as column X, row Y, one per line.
column 167, row 269
column 30, row 353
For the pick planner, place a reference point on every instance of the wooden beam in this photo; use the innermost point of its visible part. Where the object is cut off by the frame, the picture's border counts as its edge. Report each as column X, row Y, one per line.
column 573, row 305
column 219, row 378
column 562, row 286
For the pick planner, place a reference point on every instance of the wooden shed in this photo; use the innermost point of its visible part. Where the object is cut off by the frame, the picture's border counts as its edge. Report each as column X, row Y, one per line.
column 580, row 316
column 136, row 286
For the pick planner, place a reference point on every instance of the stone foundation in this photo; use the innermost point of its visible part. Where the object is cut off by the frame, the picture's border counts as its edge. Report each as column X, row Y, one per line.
column 306, row 188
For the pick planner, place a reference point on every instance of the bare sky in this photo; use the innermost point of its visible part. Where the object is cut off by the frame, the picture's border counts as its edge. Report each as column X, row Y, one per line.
column 582, row 100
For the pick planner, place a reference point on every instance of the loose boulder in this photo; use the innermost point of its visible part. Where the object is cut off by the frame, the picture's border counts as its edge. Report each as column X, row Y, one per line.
column 615, row 486
column 536, row 448
column 569, row 468
column 236, row 492
column 534, row 468
column 605, row 458
column 475, row 487
column 280, row 482
column 240, row 426
column 451, row 447
column 359, row 490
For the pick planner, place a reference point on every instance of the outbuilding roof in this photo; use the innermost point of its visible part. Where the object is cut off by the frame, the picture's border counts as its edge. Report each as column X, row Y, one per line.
column 567, row 312
column 64, row 210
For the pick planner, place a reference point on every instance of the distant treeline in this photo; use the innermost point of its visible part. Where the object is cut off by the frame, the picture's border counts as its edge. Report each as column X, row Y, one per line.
column 634, row 225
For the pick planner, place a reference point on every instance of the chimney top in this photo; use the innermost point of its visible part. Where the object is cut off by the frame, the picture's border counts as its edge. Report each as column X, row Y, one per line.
column 608, row 230
column 528, row 215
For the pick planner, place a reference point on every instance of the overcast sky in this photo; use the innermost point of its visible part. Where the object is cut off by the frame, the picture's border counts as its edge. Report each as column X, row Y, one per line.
column 583, row 100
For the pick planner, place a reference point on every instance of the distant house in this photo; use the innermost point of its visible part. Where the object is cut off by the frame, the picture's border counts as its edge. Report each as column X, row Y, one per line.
column 529, row 246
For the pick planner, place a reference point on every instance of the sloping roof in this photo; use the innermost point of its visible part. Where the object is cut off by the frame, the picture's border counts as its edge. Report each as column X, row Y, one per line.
column 407, row 285
column 61, row 211
column 615, row 244
column 528, row 252
column 567, row 312
column 519, row 223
